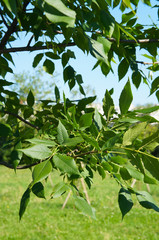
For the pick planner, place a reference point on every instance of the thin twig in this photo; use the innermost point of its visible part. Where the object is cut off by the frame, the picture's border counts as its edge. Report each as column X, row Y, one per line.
column 21, row 119
column 147, row 63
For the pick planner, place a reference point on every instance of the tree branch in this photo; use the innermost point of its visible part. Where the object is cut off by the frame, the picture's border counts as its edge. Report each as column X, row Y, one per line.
column 21, row 119
column 12, row 28
column 45, row 47
column 36, row 163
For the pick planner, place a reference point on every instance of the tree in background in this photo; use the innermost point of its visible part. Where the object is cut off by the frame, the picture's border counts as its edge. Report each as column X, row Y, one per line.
column 68, row 136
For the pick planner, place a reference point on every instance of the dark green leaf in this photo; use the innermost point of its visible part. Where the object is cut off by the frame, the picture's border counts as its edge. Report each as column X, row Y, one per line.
column 72, row 141
column 5, row 130
column 108, row 105
column 146, row 200
column 30, row 99
column 123, row 68
column 24, row 202
column 38, row 190
column 48, row 66
column 37, row 59
column 125, row 201
column 126, row 98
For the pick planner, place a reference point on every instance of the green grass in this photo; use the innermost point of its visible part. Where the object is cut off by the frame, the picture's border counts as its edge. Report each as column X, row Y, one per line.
column 45, row 220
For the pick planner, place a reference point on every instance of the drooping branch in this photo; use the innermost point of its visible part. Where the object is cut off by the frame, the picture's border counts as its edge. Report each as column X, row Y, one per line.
column 21, row 119
column 60, row 45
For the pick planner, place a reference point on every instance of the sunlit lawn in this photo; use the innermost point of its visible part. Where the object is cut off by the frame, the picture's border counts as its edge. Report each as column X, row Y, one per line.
column 44, row 219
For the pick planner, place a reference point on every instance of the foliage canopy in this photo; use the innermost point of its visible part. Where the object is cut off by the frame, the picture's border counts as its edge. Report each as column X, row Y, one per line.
column 67, row 136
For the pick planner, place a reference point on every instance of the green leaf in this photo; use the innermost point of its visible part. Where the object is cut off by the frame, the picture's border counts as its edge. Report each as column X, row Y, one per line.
column 108, row 22
column 125, row 201
column 37, row 141
column 11, row 5
column 24, row 202
column 134, row 173
column 59, row 189
column 146, row 200
column 72, row 141
column 108, row 105
column 119, row 160
column 57, row 12
column 90, row 140
column 66, row 164
column 37, row 59
column 5, row 130
column 132, row 133
column 101, row 172
column 48, row 66
column 30, row 99
column 123, row 68
column 38, row 190
column 83, row 206
column 16, row 155
column 41, row 171
column 97, row 50
column 97, row 119
column 126, row 98
column 62, row 134
column 57, row 94
column 38, row 151
column 85, row 121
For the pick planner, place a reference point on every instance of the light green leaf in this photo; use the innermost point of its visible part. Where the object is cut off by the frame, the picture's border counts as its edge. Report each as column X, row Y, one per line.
column 41, row 171
column 83, row 206
column 134, row 173
column 59, row 189
column 132, row 133
column 66, row 164
column 85, row 121
column 57, row 12
column 97, row 118
column 146, row 200
column 38, row 151
column 38, row 141
column 125, row 201
column 62, row 134
column 72, row 141
column 126, row 98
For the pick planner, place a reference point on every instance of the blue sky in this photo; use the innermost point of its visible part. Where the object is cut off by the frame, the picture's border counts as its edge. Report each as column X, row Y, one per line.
column 84, row 64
